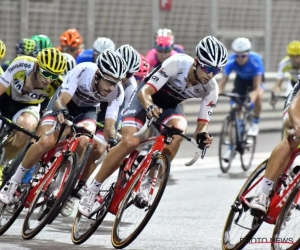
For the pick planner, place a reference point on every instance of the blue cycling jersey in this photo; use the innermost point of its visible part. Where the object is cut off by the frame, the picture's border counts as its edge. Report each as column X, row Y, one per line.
column 252, row 68
column 85, row 56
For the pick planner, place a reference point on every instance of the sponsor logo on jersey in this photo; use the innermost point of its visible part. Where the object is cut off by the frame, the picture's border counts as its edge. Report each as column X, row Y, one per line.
column 209, row 113
column 25, row 65
column 163, row 73
column 176, row 80
column 129, row 111
column 155, row 78
column 84, row 69
column 211, row 104
column 4, row 80
column 37, row 96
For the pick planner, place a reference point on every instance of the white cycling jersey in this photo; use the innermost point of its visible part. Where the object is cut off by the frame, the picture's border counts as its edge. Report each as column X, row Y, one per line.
column 78, row 84
column 129, row 88
column 170, row 82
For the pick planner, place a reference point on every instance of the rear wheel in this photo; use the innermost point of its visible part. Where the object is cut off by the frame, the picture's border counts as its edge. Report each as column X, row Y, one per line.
column 227, row 144
column 286, row 234
column 241, row 226
column 131, row 217
column 46, row 203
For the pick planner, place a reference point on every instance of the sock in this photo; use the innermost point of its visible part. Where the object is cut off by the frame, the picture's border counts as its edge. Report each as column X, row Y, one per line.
column 18, row 176
column 255, row 120
column 265, row 186
column 95, row 186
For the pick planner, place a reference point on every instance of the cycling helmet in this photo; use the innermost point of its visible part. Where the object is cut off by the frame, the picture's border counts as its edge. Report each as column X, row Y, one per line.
column 212, row 52
column 241, row 45
column 111, row 63
column 42, row 41
column 103, row 43
column 144, row 68
column 71, row 63
column 293, row 48
column 52, row 60
column 164, row 40
column 131, row 57
column 71, row 38
column 164, row 32
column 2, row 49
column 27, row 47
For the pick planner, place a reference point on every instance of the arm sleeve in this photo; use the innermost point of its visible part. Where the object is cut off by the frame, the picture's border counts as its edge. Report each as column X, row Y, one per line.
column 208, row 104
column 113, row 107
column 161, row 76
column 259, row 69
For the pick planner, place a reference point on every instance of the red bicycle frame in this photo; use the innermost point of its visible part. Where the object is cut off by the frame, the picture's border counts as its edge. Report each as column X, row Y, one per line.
column 280, row 196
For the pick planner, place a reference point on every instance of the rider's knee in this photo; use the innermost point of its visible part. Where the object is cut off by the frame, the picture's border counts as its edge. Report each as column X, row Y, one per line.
column 46, row 142
column 129, row 144
column 83, row 141
column 27, row 122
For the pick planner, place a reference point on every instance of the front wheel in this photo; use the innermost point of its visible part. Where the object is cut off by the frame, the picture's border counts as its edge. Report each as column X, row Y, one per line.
column 286, row 234
column 241, row 226
column 131, row 217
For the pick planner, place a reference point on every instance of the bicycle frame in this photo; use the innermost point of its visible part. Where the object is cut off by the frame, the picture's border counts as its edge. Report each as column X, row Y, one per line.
column 279, row 196
column 142, row 168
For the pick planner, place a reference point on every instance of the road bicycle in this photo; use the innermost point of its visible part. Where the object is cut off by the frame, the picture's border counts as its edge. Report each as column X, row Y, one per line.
column 118, row 196
column 234, row 134
column 241, row 225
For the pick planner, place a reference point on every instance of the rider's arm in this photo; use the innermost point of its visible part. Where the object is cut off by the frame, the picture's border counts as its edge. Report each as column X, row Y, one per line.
column 294, row 111
column 8, row 76
column 223, row 82
column 207, row 106
column 257, row 80
column 280, row 76
column 277, row 86
column 157, row 80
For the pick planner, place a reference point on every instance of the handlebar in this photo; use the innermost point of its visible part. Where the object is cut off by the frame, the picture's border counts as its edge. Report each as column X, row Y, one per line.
column 88, row 133
column 173, row 131
column 237, row 98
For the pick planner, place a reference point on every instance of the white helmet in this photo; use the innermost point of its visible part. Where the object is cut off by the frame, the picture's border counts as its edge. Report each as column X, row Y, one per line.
column 241, row 44
column 212, row 52
column 103, row 43
column 131, row 57
column 111, row 63
column 71, row 63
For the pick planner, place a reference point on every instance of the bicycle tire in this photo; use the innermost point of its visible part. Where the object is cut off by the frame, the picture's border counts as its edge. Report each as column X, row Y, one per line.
column 281, row 220
column 19, row 209
column 67, row 189
column 117, row 242
column 84, row 237
column 223, row 134
column 226, row 245
column 245, row 166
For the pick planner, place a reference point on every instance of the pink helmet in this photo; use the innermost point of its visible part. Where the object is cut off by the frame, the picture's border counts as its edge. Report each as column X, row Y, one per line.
column 144, row 68
column 164, row 40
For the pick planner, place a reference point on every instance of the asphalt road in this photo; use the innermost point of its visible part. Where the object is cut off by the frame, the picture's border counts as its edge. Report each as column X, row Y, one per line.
column 191, row 214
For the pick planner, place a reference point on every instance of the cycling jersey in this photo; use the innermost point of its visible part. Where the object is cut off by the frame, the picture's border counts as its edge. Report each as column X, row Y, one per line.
column 14, row 79
column 253, row 67
column 78, row 84
column 178, row 48
column 151, row 57
column 1, row 70
column 85, row 56
column 129, row 88
column 169, row 81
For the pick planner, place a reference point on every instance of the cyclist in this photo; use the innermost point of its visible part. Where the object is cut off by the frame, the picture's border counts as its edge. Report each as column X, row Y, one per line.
column 85, row 87
column 42, row 41
column 249, row 69
column 143, row 71
column 24, row 85
column 164, row 44
column 2, row 54
column 290, row 64
column 90, row 55
column 71, row 42
column 25, row 47
column 180, row 77
column 281, row 154
column 71, row 63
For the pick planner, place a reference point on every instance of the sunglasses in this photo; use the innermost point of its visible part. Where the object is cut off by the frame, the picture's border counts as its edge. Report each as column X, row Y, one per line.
column 107, row 81
column 207, row 69
column 46, row 74
column 163, row 49
column 68, row 49
column 241, row 56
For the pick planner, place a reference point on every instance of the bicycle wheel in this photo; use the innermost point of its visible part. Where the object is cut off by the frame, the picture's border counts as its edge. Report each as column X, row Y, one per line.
column 226, row 143
column 131, row 219
column 248, row 144
column 84, row 227
column 286, row 234
column 9, row 213
column 241, row 226
column 36, row 218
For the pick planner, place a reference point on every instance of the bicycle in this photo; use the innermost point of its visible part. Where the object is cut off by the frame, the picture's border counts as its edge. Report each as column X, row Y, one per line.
column 234, row 134
column 43, row 203
column 118, row 197
column 283, row 193
column 7, row 134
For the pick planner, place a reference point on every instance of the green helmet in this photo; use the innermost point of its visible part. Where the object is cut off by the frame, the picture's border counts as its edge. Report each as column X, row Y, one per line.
column 27, row 47
column 42, row 41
